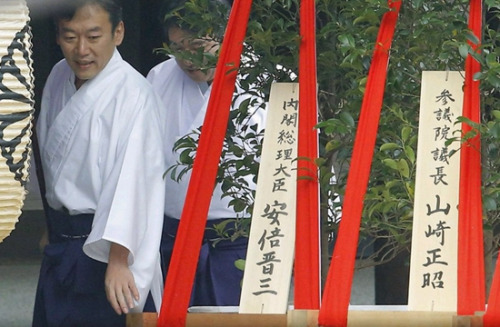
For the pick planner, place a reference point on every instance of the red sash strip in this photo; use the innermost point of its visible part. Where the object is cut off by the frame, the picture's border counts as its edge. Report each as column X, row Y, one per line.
column 187, row 246
column 307, row 257
column 470, row 278
column 335, row 304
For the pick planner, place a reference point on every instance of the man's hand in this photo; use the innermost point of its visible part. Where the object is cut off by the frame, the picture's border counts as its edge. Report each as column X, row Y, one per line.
column 119, row 281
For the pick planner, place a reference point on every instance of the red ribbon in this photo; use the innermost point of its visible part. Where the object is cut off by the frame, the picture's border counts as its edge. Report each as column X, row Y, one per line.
column 337, row 292
column 307, row 257
column 179, row 281
column 470, row 277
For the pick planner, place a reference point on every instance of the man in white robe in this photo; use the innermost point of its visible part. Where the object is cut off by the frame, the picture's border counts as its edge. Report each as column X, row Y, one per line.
column 100, row 142
column 185, row 90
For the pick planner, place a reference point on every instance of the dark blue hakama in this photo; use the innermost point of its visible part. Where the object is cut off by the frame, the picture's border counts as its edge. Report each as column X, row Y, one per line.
column 70, row 290
column 217, row 281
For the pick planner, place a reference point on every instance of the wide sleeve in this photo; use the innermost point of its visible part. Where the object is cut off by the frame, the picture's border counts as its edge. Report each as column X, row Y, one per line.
column 130, row 207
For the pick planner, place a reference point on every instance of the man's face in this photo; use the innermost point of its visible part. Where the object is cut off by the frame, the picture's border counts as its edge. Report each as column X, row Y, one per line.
column 181, row 41
column 87, row 41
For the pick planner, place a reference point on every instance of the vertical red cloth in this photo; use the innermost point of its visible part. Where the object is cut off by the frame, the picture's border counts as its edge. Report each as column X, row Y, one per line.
column 335, row 304
column 307, row 257
column 492, row 315
column 470, row 277
column 180, row 278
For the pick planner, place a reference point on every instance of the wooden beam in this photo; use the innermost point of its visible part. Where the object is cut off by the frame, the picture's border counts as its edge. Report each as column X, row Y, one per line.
column 309, row 318
column 143, row 319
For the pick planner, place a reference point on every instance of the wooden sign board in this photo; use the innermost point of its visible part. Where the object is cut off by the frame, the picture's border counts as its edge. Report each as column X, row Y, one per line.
column 433, row 270
column 269, row 261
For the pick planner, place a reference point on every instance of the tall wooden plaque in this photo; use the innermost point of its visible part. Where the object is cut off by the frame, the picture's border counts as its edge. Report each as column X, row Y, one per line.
column 433, row 271
column 269, row 261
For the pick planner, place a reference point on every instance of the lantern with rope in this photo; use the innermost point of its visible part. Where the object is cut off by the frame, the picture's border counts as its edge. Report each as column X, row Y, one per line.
column 16, row 110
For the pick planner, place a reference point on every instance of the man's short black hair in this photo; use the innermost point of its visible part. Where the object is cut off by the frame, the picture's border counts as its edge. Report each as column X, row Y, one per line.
column 172, row 13
column 65, row 10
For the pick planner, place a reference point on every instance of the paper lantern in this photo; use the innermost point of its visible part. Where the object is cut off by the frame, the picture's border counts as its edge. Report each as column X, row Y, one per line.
column 16, row 110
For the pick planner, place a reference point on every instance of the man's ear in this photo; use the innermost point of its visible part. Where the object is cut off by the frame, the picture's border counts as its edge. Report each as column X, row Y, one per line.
column 119, row 33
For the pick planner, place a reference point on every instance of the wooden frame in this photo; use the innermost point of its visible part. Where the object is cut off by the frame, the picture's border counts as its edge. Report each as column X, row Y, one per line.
column 309, row 318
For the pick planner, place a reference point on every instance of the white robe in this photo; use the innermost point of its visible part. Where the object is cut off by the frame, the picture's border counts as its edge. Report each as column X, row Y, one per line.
column 185, row 102
column 101, row 149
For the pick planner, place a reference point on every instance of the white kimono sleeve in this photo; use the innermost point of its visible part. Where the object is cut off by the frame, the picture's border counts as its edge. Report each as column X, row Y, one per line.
column 130, row 208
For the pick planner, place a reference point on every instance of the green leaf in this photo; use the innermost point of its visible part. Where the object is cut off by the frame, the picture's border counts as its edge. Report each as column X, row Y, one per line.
column 346, row 40
column 489, row 203
column 403, row 168
column 496, row 113
column 391, row 163
column 472, row 37
column 240, row 264
column 185, row 157
column 495, row 130
column 463, row 49
column 494, row 80
column 405, row 133
column 347, row 118
column 388, row 146
column 410, row 154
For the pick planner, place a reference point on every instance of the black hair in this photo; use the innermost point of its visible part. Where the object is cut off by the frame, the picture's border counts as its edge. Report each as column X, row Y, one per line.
column 66, row 10
column 172, row 13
